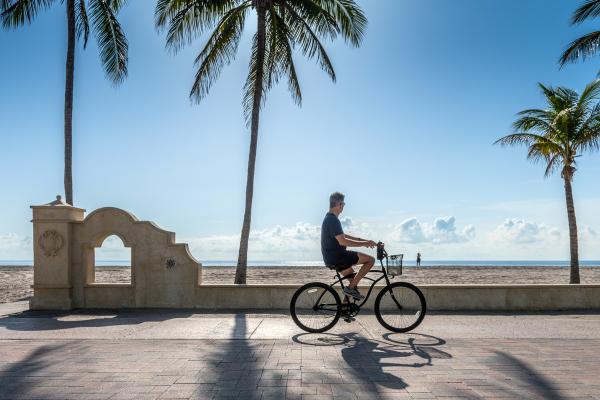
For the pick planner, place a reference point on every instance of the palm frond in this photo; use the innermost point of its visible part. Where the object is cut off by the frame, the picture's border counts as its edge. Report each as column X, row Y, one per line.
column 20, row 12
column 580, row 49
column 589, row 9
column 349, row 16
column 557, row 135
column 116, row 5
column 592, row 118
column 251, row 81
column 111, row 40
column 539, row 151
column 590, row 93
column 533, row 122
column 82, row 25
column 308, row 41
column 320, row 20
column 553, row 165
column 220, row 50
column 588, row 139
column 527, row 139
column 187, row 19
column 280, row 55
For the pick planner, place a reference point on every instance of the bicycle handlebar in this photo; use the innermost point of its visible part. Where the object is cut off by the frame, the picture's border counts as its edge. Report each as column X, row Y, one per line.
column 381, row 253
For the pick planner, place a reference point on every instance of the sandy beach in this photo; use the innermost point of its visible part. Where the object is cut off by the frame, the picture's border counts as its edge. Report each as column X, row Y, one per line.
column 15, row 281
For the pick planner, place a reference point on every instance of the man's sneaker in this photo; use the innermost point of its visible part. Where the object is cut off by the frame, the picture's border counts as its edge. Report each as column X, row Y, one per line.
column 353, row 292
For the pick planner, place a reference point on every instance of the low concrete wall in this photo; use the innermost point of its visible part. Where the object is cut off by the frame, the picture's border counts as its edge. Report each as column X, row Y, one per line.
column 439, row 297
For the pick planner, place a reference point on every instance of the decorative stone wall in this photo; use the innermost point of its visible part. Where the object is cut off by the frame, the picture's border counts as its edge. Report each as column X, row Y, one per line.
column 163, row 273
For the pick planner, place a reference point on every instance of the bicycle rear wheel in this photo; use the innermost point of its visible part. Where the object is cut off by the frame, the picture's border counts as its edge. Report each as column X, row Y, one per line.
column 400, row 307
column 315, row 307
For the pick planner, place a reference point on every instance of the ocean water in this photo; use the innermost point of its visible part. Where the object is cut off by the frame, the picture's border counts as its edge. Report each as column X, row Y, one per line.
column 424, row 263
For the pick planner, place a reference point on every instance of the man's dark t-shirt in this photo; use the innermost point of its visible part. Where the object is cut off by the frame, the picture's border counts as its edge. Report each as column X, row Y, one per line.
column 331, row 249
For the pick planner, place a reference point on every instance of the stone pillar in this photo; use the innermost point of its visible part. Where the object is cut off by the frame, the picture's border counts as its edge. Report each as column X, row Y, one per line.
column 52, row 239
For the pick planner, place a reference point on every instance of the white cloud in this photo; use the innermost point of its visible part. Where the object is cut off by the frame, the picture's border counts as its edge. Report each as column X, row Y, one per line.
column 15, row 247
column 298, row 242
column 293, row 243
column 588, row 234
column 442, row 230
column 520, row 231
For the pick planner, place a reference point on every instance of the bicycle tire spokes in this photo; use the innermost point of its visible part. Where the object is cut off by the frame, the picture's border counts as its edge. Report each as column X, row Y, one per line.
column 400, row 307
column 315, row 307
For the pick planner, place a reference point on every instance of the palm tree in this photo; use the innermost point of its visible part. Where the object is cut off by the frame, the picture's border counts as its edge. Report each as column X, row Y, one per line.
column 557, row 135
column 111, row 42
column 282, row 26
column 587, row 45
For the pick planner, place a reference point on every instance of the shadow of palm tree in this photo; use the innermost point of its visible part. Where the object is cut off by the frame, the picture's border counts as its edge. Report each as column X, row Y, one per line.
column 52, row 321
column 524, row 376
column 238, row 365
column 15, row 378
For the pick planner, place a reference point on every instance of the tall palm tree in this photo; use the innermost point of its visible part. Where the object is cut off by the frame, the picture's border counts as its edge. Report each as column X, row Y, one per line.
column 281, row 27
column 557, row 135
column 587, row 45
column 111, row 42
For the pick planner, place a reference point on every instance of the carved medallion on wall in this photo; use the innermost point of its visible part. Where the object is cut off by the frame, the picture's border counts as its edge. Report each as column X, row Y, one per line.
column 170, row 263
column 51, row 242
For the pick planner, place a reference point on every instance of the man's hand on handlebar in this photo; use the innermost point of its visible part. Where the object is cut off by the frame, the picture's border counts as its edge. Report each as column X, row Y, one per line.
column 370, row 244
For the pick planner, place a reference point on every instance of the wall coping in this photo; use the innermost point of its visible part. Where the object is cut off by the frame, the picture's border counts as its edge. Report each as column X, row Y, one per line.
column 441, row 286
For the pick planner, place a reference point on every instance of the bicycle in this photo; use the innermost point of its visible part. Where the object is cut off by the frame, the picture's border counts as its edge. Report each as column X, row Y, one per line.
column 400, row 306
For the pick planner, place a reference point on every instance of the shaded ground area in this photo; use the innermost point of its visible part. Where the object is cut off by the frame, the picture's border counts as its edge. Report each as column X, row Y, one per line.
column 187, row 355
column 15, row 282
column 340, row 366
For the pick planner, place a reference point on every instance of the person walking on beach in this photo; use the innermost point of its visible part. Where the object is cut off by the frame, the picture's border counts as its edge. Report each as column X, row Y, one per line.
column 333, row 247
column 418, row 259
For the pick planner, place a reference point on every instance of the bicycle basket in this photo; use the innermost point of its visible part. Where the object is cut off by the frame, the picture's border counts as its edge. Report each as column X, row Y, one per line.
column 394, row 264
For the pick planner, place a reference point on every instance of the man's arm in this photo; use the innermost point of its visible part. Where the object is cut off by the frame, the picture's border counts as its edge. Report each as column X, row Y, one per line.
column 349, row 241
column 352, row 237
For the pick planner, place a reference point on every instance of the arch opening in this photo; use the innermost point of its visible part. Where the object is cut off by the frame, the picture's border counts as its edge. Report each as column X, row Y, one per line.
column 113, row 262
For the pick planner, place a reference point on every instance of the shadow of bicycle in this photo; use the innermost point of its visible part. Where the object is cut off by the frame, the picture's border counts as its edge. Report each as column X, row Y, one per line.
column 380, row 362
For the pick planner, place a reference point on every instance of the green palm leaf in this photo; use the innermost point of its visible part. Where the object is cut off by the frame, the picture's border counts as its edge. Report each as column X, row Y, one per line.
column 350, row 18
column 82, row 25
column 308, row 41
column 582, row 48
column 19, row 12
column 589, row 9
column 187, row 19
column 110, row 38
column 220, row 50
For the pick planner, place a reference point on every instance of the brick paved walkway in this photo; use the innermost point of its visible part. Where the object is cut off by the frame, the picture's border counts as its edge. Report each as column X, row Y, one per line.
column 357, row 361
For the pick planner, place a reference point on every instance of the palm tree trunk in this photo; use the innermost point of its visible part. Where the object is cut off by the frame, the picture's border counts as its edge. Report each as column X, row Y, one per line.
column 574, row 277
column 70, row 69
column 242, row 265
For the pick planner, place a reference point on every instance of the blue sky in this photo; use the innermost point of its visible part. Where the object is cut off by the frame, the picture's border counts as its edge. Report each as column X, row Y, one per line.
column 406, row 132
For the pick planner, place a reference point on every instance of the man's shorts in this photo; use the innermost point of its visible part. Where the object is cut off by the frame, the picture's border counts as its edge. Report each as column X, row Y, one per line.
column 345, row 260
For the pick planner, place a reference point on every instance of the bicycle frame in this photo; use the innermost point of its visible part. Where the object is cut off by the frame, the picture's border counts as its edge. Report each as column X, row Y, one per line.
column 339, row 279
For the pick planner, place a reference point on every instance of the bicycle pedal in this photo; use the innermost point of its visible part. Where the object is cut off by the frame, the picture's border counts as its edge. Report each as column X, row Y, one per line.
column 349, row 319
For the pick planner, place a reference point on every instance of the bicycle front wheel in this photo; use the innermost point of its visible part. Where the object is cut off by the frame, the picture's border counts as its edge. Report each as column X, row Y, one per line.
column 315, row 307
column 400, row 307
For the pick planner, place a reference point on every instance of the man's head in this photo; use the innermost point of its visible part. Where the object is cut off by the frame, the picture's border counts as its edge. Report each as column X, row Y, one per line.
column 336, row 203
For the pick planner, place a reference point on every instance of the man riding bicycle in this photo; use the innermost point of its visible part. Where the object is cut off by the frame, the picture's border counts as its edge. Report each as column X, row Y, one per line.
column 333, row 247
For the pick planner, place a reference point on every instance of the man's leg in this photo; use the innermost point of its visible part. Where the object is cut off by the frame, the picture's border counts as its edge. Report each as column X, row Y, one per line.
column 367, row 263
column 345, row 273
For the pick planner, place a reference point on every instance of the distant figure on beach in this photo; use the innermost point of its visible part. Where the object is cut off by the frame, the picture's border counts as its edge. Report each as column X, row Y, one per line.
column 418, row 259
column 333, row 247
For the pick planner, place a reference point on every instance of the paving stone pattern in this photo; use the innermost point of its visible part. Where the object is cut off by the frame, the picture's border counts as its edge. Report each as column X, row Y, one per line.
column 307, row 366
